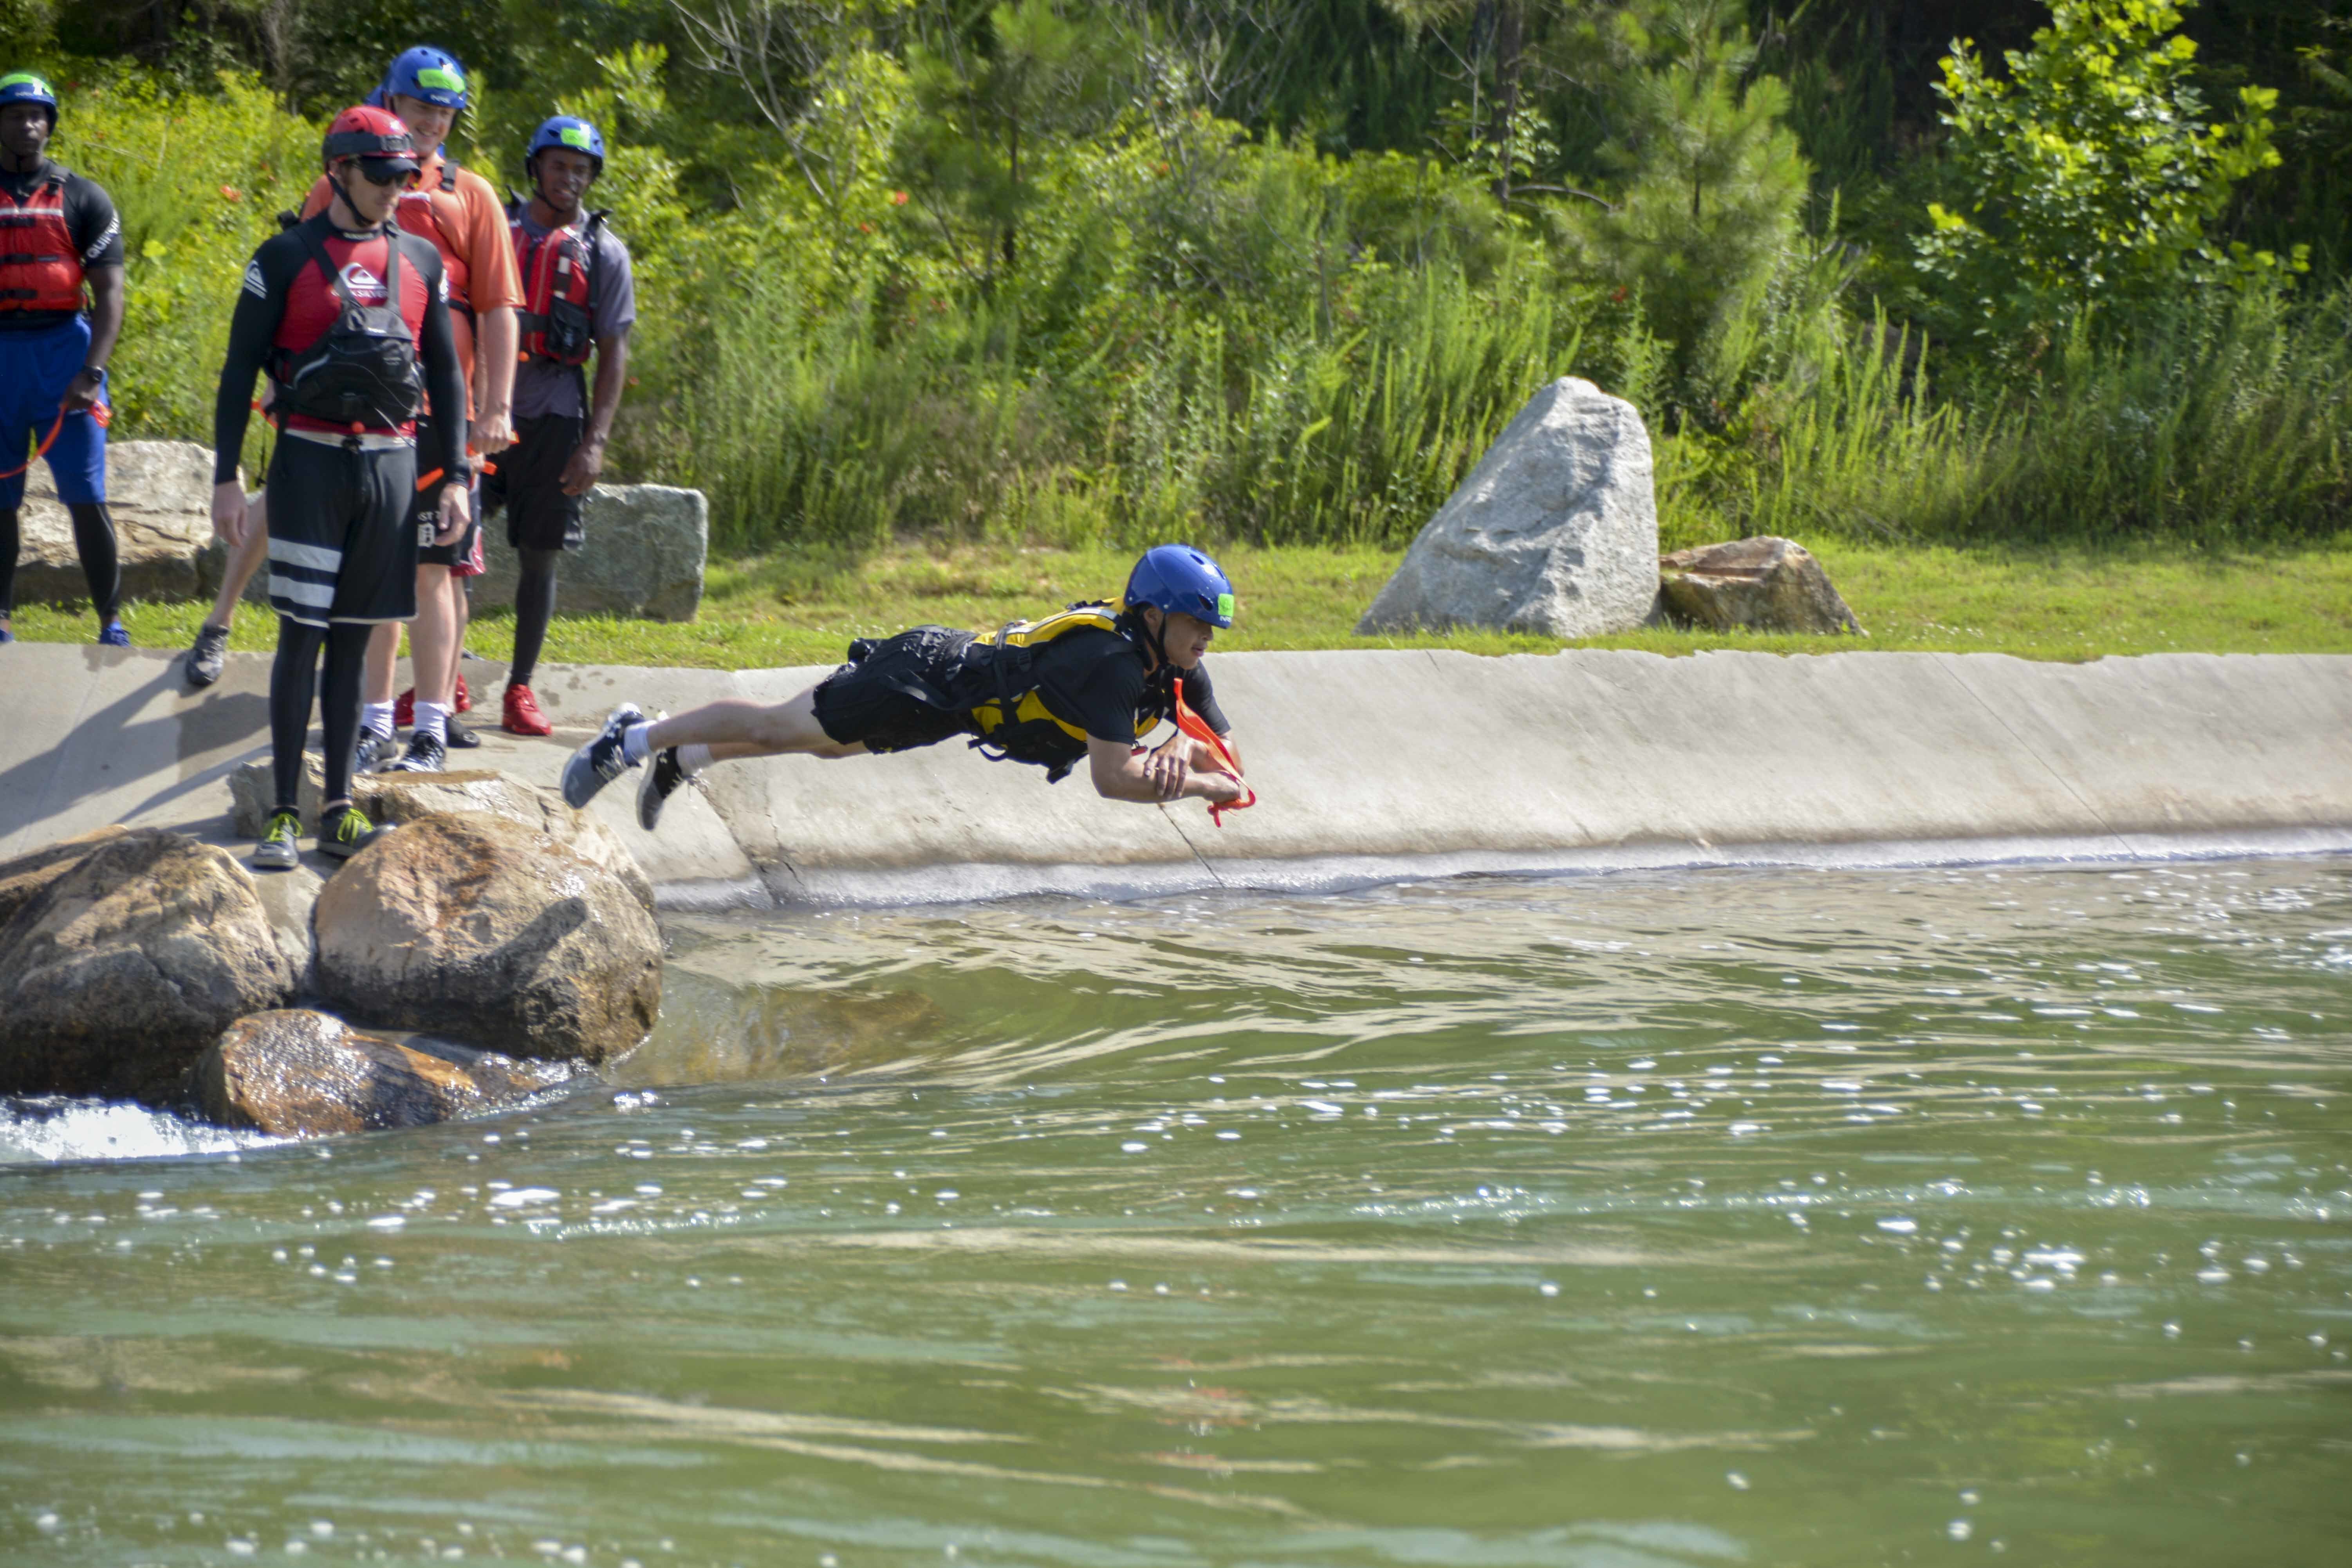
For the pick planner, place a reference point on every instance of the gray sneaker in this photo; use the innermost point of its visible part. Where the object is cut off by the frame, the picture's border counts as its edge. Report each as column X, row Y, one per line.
column 281, row 848
column 207, row 655
column 601, row 760
column 426, row 755
column 662, row 781
column 345, row 830
column 378, row 750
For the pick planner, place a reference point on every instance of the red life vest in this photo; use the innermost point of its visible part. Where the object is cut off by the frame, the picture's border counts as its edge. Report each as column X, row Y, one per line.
column 39, row 268
column 556, row 321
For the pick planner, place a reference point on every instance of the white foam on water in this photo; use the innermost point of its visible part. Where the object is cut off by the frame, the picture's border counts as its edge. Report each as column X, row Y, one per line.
column 56, row 1130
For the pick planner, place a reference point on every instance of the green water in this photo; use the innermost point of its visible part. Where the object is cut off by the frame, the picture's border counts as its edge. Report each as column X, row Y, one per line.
column 1745, row 1218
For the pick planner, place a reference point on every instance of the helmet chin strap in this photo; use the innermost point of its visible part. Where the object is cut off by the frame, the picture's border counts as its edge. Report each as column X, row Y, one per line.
column 1158, row 641
column 335, row 178
column 342, row 191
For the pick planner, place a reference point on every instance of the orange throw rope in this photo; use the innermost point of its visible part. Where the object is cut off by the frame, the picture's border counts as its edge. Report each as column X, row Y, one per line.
column 481, row 465
column 100, row 412
column 1192, row 724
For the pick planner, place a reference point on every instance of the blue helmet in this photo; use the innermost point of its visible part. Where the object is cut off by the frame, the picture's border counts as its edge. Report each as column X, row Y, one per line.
column 1179, row 578
column 566, row 130
column 23, row 87
column 428, row 75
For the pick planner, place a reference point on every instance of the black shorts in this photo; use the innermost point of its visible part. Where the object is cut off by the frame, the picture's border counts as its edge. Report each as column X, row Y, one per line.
column 530, row 485
column 426, row 513
column 340, row 549
column 909, row 690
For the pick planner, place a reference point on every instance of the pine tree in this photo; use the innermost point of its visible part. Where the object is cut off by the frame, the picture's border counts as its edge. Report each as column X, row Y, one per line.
column 1711, row 184
column 991, row 97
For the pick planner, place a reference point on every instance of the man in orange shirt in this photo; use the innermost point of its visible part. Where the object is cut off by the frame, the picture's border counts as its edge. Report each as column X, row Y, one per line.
column 459, row 212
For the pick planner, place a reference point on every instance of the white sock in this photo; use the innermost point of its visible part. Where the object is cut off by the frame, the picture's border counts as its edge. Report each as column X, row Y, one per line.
column 693, row 759
column 636, row 745
column 375, row 717
column 432, row 719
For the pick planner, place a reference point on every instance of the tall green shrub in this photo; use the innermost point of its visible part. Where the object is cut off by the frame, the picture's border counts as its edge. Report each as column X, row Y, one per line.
column 2092, row 177
column 197, row 180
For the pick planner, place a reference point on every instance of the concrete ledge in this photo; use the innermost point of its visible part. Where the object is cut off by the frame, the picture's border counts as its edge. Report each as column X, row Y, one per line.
column 1372, row 765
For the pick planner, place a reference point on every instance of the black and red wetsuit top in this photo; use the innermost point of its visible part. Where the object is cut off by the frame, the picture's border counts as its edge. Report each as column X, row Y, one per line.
column 288, row 304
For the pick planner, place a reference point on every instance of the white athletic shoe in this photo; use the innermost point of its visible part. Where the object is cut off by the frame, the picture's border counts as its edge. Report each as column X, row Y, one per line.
column 601, row 760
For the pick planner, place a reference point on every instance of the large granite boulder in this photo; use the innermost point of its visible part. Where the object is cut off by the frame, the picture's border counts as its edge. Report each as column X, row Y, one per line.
column 1555, row 531
column 116, row 973
column 25, row 876
column 644, row 558
column 300, row 1073
column 161, row 495
column 1764, row 585
column 492, row 931
column 400, row 797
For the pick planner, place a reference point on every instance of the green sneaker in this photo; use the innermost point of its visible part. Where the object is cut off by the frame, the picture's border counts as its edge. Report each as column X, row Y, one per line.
column 281, row 848
column 345, row 830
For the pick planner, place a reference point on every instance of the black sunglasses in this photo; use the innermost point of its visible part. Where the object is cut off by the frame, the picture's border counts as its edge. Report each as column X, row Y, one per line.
column 403, row 177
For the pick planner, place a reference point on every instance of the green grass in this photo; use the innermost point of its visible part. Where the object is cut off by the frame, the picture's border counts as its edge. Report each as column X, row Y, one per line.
column 801, row 607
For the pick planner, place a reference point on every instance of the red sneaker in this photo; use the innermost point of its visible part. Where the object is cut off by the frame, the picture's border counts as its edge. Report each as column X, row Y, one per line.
column 523, row 717
column 403, row 707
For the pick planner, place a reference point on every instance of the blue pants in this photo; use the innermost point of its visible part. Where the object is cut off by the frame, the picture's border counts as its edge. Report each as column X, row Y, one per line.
column 36, row 368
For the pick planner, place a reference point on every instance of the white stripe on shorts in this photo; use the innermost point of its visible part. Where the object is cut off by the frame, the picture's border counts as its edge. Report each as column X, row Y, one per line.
column 317, row 557
column 317, row 595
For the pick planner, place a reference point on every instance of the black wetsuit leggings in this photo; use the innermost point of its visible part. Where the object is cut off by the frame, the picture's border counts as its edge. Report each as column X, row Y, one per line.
column 101, row 567
column 534, row 609
column 292, row 680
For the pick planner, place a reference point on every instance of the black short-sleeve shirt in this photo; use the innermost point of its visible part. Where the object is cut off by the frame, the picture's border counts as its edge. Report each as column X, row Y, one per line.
column 91, row 222
column 1097, row 680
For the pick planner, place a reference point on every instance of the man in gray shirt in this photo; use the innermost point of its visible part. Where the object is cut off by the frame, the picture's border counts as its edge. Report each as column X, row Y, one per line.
column 579, row 298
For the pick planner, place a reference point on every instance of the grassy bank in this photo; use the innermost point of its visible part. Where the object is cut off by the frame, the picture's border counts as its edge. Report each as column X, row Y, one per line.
column 801, row 607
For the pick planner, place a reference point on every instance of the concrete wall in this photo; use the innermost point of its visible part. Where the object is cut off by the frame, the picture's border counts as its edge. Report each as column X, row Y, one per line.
column 1369, row 765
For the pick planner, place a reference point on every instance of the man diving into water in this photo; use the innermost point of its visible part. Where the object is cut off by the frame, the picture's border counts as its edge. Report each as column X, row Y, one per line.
column 1080, row 685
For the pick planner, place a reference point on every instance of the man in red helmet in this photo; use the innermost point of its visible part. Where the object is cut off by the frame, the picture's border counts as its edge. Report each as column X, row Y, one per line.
column 456, row 210
column 349, row 316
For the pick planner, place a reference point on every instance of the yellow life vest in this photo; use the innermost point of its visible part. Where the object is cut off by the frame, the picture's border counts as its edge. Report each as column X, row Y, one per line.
column 1016, row 723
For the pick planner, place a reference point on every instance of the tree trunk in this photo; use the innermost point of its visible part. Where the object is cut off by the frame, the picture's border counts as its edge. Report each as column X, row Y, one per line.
column 1013, row 166
column 1510, row 62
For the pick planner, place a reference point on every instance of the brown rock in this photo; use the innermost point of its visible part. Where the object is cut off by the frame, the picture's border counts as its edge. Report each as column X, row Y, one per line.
column 497, row 933
column 404, row 797
column 160, row 494
column 117, row 974
column 299, row 1073
column 253, row 794
column 28, row 874
column 1763, row 583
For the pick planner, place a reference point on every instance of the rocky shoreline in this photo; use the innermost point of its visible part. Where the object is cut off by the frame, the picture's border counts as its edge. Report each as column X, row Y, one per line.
column 493, row 944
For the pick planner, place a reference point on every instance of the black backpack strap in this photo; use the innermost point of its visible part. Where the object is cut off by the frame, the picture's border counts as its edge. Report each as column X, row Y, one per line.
column 317, row 247
column 448, row 174
column 588, row 233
